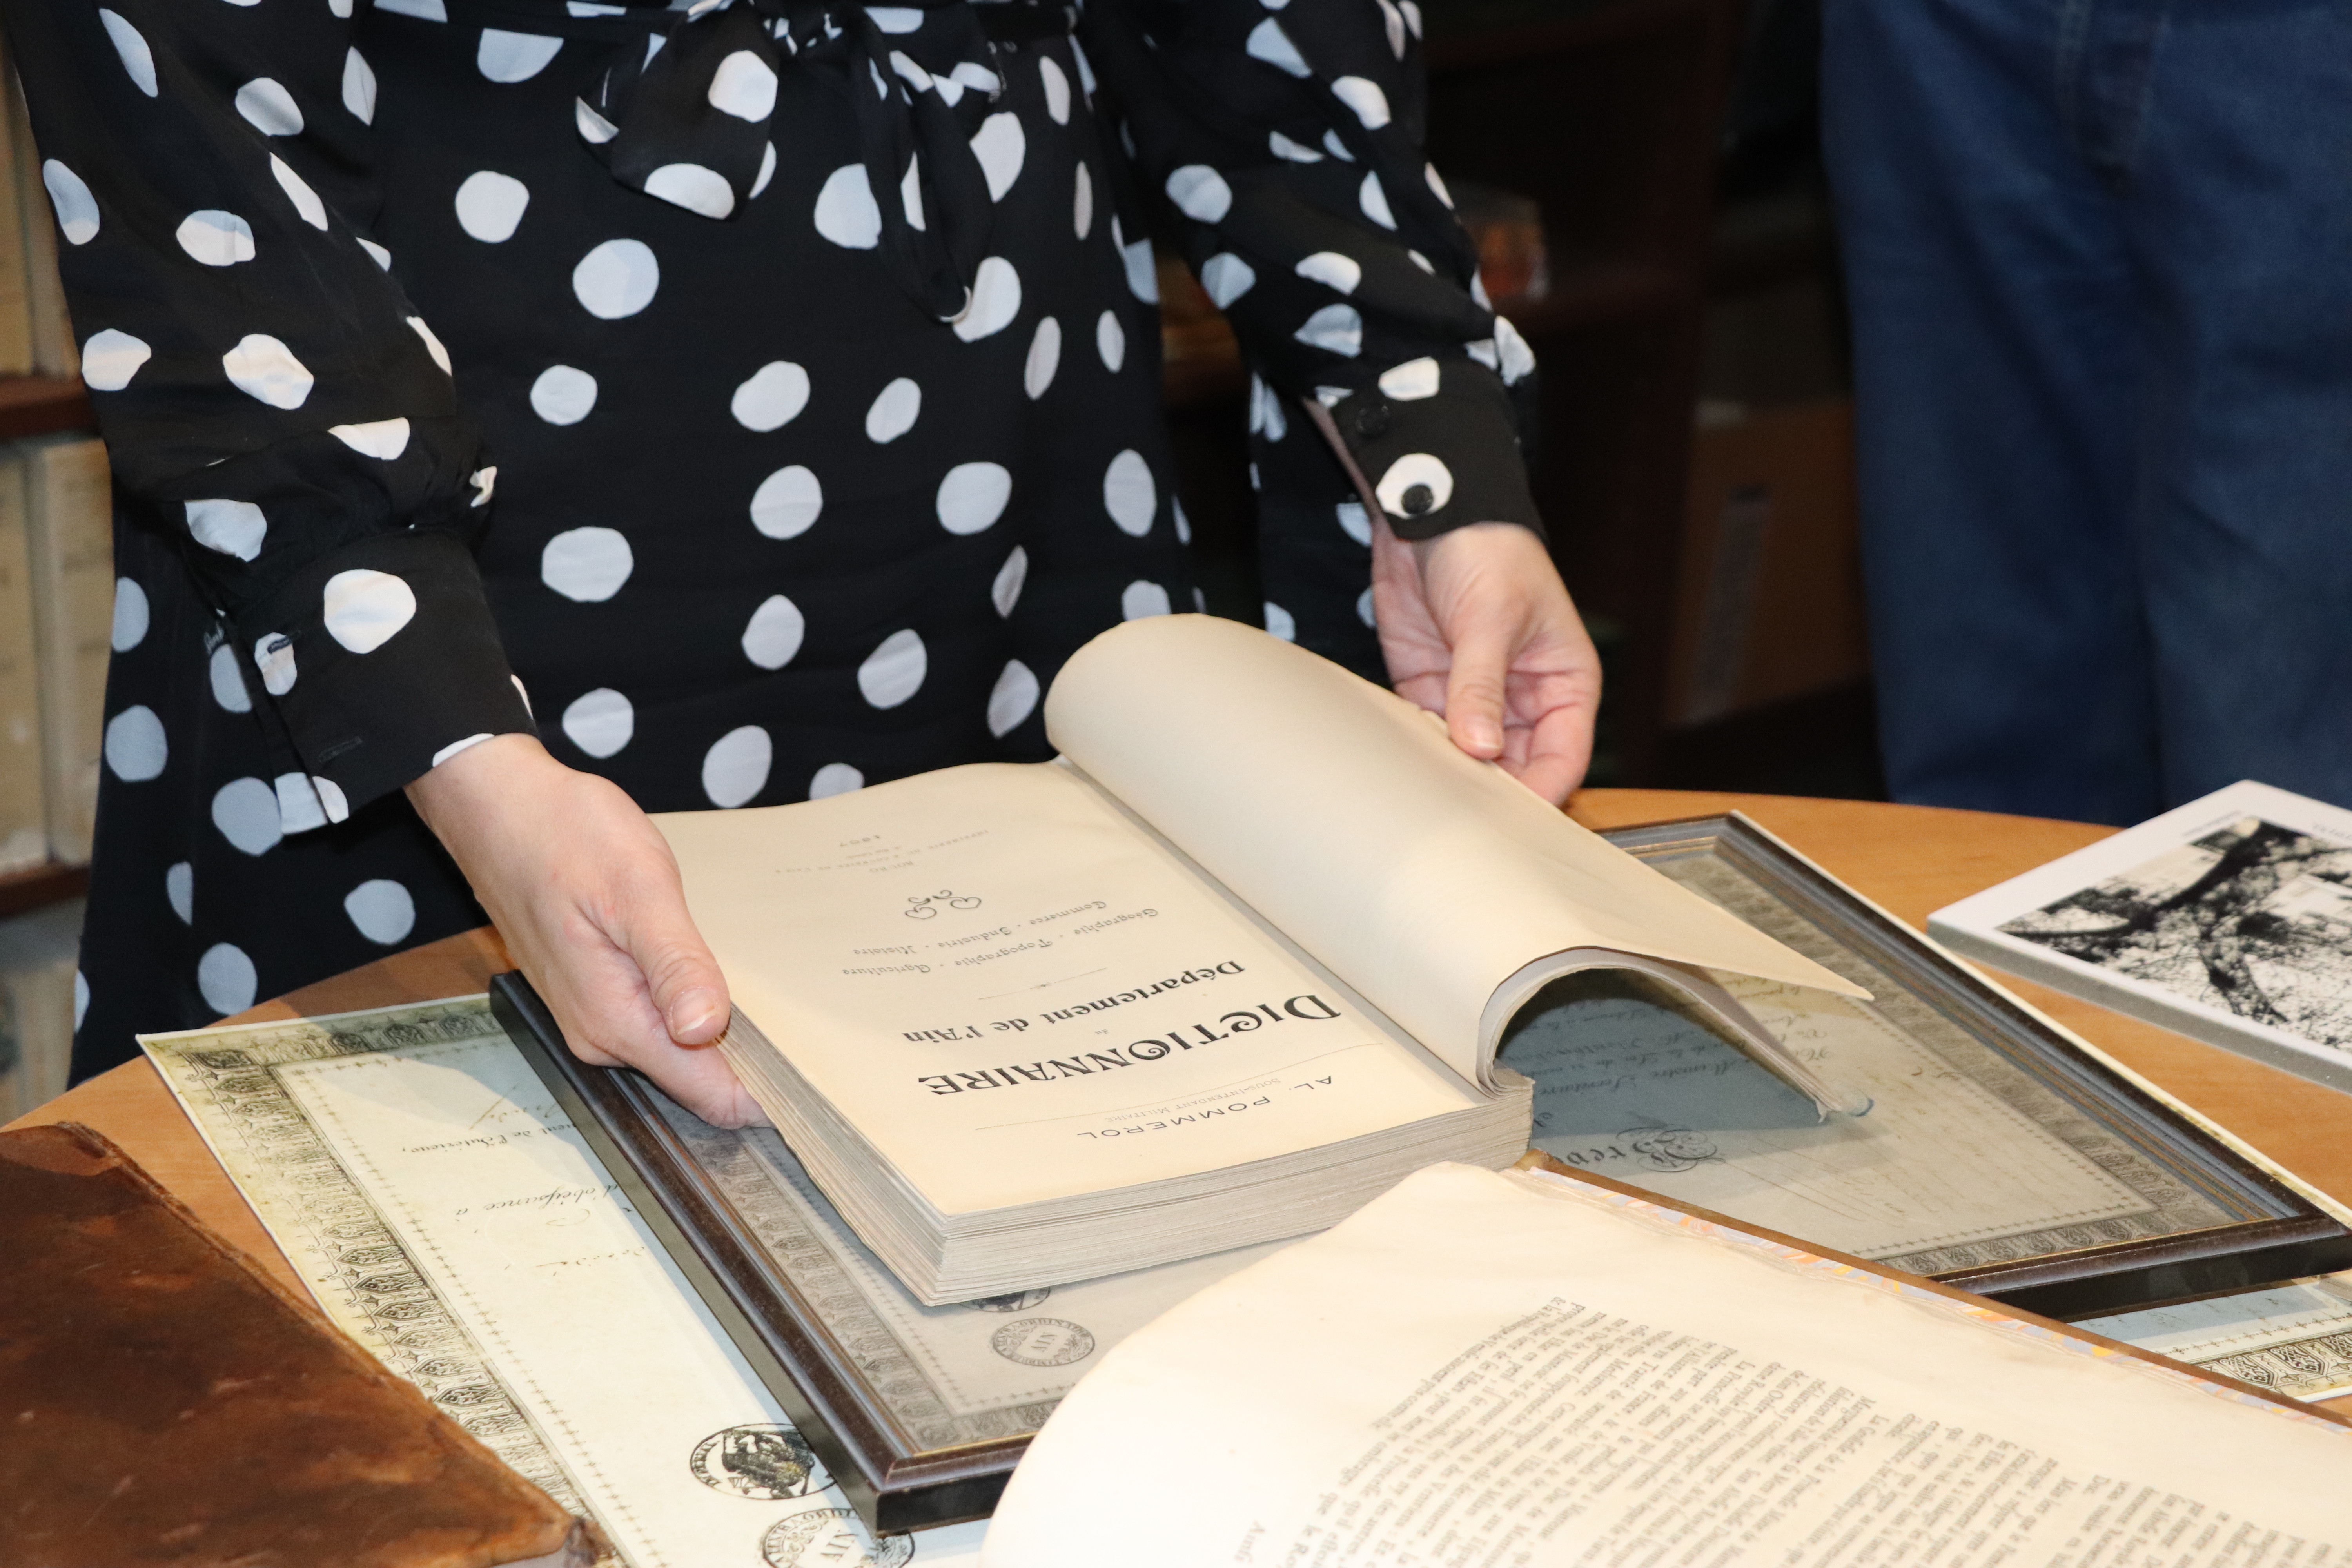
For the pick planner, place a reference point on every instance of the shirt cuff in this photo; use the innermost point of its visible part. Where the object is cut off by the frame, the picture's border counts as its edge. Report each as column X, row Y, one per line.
column 383, row 662
column 1442, row 457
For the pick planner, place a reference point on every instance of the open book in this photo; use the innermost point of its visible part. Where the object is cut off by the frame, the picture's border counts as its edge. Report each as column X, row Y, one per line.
column 1234, row 964
column 1531, row 1369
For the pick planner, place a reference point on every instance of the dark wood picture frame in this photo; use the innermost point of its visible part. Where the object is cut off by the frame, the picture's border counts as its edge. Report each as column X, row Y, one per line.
column 897, row 1484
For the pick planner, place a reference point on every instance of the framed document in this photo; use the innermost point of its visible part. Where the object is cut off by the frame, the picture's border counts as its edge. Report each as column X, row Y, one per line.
column 2002, row 1155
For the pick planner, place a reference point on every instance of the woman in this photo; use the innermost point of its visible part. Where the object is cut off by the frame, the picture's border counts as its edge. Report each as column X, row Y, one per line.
column 808, row 352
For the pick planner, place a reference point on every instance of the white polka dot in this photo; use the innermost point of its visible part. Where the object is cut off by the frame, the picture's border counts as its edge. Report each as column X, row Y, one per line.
column 457, row 748
column 744, row 85
column 1374, row 201
column 260, row 366
column 300, row 809
column 1267, row 411
column 1436, row 185
column 910, row 190
column 693, row 186
column 972, row 497
column 1128, row 493
column 358, row 87
column 1355, row 521
column 109, row 359
column 180, row 890
column 305, row 201
column 1086, row 69
column 1005, row 592
column 365, row 609
column 894, row 671
column 563, row 395
column 773, row 633
column 1280, row 622
column 1411, row 15
column 1336, row 328
column 586, row 565
column 600, row 722
column 1013, row 699
column 772, row 397
column 1365, row 97
column 1282, row 146
column 895, row 19
column 380, row 438
column 1228, row 277
column 130, row 616
column 1332, row 270
column 1082, row 207
column 1110, row 340
column 1044, row 358
column 1142, row 273
column 423, row 10
column 77, row 209
column 523, row 694
column 81, row 998
column 1184, row 524
column 273, row 656
column 767, row 169
column 135, row 751
column 1143, row 600
column 1000, row 146
column 246, row 812
column 1414, row 469
column 490, row 206
column 995, row 300
column 331, row 796
column 1517, row 359
column 1418, row 260
column 1057, row 91
column 1411, row 381
column 894, row 412
column 846, row 212
column 381, row 910
column 1364, row 611
column 215, row 238
column 433, row 344
column 788, row 502
column 1393, row 21
column 226, row 977
column 836, row 778
column 269, row 108
column 1200, row 192
column 617, row 279
column 735, row 769
column 228, row 680
column 382, row 257
column 1269, row 43
column 231, row 527
column 592, row 127
column 1478, row 290
column 137, row 58
column 514, row 57
column 1337, row 148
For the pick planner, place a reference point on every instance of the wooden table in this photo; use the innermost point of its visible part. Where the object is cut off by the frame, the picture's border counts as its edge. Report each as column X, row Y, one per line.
column 1911, row 860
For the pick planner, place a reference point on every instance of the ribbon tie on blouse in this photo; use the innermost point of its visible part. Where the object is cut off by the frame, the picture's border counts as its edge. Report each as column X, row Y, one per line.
column 689, row 120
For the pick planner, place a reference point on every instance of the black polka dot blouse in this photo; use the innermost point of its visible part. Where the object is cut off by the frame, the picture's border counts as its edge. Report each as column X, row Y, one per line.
column 754, row 401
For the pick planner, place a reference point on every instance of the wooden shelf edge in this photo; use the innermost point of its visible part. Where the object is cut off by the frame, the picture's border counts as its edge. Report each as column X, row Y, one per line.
column 42, row 405
column 39, row 887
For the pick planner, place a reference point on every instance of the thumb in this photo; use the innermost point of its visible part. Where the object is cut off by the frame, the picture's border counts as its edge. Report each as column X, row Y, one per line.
column 681, row 976
column 1474, row 694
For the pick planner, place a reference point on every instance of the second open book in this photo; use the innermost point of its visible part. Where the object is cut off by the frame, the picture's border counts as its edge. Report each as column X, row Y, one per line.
column 1236, row 962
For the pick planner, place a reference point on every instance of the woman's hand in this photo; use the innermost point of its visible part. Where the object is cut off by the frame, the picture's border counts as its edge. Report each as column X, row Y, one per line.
column 1476, row 624
column 587, row 896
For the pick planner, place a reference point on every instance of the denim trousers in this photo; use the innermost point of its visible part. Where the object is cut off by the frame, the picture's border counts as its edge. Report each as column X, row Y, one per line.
column 2099, row 259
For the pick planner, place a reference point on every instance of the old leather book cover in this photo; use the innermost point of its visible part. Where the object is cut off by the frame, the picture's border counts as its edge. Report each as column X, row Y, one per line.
column 164, row 1401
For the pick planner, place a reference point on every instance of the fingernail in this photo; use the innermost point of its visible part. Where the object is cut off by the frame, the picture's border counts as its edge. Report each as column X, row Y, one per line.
column 1485, row 735
column 696, row 1012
